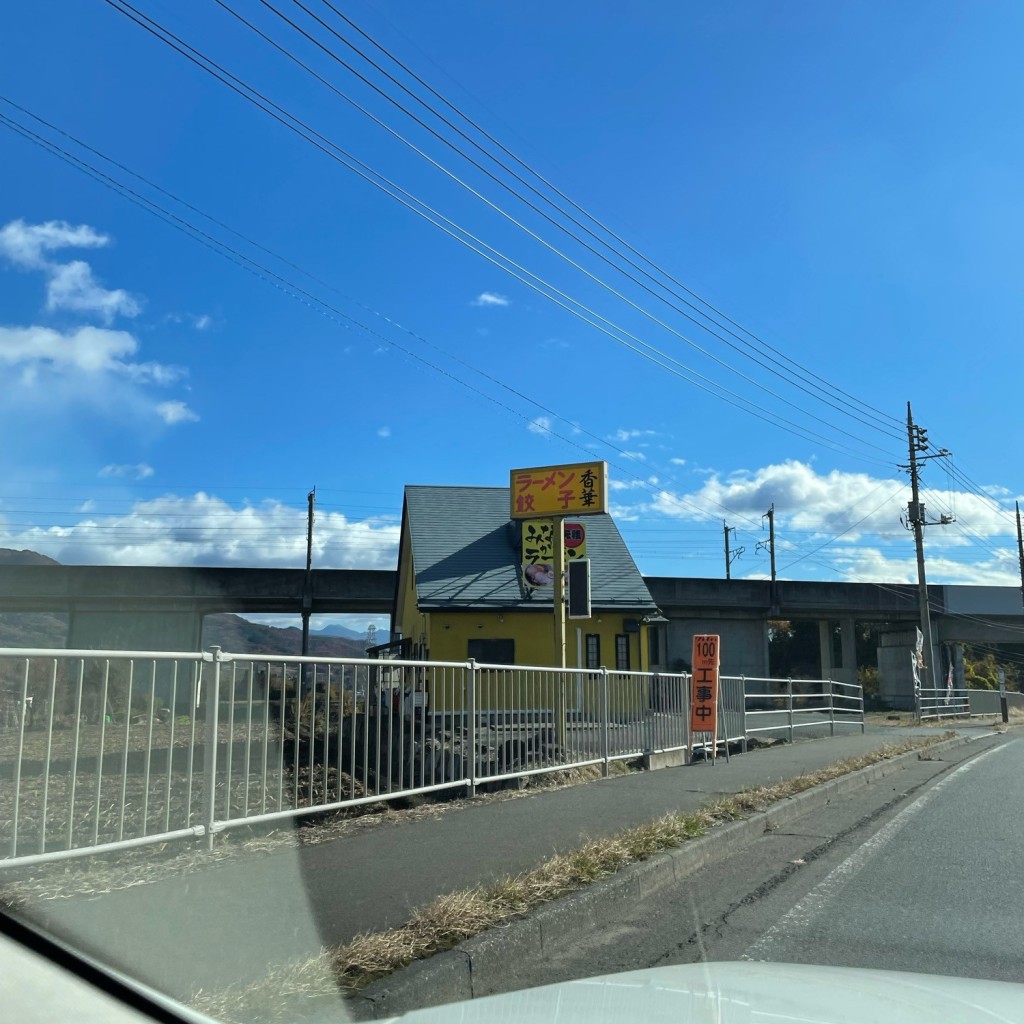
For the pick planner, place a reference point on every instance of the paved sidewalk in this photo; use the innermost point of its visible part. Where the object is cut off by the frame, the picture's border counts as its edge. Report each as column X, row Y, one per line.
column 229, row 921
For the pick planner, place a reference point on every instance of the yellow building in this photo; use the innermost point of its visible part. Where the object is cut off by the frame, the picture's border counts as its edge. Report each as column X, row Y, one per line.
column 466, row 588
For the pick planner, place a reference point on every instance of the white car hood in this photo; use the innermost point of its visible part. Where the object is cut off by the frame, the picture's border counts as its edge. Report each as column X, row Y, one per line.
column 744, row 993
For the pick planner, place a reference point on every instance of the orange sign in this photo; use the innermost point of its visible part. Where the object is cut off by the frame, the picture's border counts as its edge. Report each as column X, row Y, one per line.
column 704, row 684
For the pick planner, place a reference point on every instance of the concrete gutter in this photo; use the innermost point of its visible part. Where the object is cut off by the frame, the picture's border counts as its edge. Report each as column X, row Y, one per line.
column 487, row 963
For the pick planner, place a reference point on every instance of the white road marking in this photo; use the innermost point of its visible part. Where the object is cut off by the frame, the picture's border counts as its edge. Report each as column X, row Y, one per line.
column 804, row 912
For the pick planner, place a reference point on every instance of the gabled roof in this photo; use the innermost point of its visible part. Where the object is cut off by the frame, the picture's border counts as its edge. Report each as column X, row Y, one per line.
column 465, row 554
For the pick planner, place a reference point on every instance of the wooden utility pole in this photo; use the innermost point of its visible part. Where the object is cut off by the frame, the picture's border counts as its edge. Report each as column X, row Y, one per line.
column 1020, row 552
column 917, row 441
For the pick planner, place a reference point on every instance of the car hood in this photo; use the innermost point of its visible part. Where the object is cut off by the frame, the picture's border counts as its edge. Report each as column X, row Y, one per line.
column 744, row 993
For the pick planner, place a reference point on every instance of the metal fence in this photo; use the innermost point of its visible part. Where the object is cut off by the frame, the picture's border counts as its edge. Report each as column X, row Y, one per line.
column 986, row 702
column 942, row 702
column 102, row 750
column 786, row 705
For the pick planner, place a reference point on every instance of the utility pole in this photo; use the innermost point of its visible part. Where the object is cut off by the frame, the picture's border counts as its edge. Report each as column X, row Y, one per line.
column 770, row 545
column 917, row 442
column 1020, row 552
column 730, row 556
column 307, row 590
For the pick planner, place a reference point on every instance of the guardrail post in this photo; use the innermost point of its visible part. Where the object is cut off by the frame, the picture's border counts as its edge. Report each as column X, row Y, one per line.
column 212, row 707
column 789, row 706
column 605, row 724
column 743, row 711
column 831, row 709
column 471, row 742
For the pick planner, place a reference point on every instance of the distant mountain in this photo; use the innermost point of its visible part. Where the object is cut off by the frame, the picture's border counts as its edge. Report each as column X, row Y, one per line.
column 9, row 556
column 233, row 633
column 383, row 636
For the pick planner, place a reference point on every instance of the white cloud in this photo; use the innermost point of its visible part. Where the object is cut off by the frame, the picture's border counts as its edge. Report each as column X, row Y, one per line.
column 678, row 462
column 630, row 435
column 176, row 412
column 138, row 471
column 541, row 426
column 844, row 511
column 205, row 530
column 383, row 431
column 85, row 350
column 202, row 322
column 490, row 299
column 70, row 286
column 27, row 244
column 636, row 456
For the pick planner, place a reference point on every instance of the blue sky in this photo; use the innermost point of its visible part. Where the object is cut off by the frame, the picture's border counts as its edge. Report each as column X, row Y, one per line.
column 842, row 180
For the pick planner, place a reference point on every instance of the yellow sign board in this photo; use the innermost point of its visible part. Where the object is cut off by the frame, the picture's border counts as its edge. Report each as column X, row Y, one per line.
column 539, row 549
column 578, row 490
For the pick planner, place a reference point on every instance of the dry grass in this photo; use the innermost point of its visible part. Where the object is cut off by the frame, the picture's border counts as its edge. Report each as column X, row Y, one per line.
column 457, row 916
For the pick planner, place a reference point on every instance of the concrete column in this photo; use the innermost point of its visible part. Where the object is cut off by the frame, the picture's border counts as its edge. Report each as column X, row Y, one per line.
column 848, row 673
column 825, row 649
column 135, row 630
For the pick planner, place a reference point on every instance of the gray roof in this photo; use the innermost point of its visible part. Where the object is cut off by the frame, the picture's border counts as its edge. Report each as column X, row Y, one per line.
column 465, row 554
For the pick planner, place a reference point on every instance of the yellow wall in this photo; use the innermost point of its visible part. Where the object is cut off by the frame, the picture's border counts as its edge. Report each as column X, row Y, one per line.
column 410, row 621
column 534, row 636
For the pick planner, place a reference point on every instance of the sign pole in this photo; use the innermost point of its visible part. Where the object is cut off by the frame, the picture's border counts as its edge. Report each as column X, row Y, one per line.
column 558, row 588
column 558, row 602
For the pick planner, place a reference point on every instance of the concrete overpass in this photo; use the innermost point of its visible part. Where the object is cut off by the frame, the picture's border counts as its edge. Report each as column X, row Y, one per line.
column 161, row 608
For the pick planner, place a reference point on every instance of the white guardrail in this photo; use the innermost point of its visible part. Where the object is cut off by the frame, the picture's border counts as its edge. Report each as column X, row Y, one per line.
column 102, row 750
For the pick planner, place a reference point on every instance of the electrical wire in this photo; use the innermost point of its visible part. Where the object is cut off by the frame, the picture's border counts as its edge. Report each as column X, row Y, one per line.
column 311, row 300
column 283, row 50
column 530, row 170
column 630, row 341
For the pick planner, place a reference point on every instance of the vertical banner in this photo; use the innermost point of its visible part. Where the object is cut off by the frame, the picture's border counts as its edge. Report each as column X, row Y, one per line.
column 704, row 684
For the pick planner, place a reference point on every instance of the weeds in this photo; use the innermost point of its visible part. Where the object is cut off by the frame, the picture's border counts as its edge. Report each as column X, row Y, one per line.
column 457, row 916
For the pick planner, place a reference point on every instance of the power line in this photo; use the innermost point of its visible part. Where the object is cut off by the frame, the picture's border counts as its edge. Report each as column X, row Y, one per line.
column 309, row 299
column 628, row 340
column 812, row 393
column 456, row 110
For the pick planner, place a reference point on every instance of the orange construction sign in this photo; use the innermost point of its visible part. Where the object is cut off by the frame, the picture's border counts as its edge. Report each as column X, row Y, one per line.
column 704, row 684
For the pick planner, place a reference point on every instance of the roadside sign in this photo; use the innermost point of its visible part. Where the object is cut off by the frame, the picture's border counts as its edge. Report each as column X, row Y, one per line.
column 704, row 684
column 575, row 536
column 538, row 548
column 577, row 489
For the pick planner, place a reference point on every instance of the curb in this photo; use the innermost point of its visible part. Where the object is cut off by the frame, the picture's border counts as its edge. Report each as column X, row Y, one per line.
column 487, row 963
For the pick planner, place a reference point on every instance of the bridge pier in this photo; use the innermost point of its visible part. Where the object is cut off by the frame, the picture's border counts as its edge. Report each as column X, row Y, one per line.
column 845, row 670
column 135, row 630
column 744, row 643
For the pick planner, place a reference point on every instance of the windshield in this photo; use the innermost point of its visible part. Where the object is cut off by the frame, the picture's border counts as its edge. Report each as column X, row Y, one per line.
column 485, row 488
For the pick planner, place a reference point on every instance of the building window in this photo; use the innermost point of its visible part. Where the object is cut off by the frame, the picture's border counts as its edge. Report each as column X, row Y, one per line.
column 492, row 652
column 593, row 642
column 622, row 652
column 653, row 646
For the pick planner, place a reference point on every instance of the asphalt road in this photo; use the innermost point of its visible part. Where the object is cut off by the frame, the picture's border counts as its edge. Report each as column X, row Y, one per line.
column 920, row 872
column 227, row 921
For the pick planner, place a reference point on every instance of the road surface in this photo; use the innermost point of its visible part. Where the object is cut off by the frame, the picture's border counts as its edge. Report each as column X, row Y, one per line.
column 920, row 872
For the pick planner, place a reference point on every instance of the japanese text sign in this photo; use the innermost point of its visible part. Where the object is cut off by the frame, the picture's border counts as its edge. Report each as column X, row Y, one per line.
column 704, row 684
column 579, row 489
column 539, row 550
